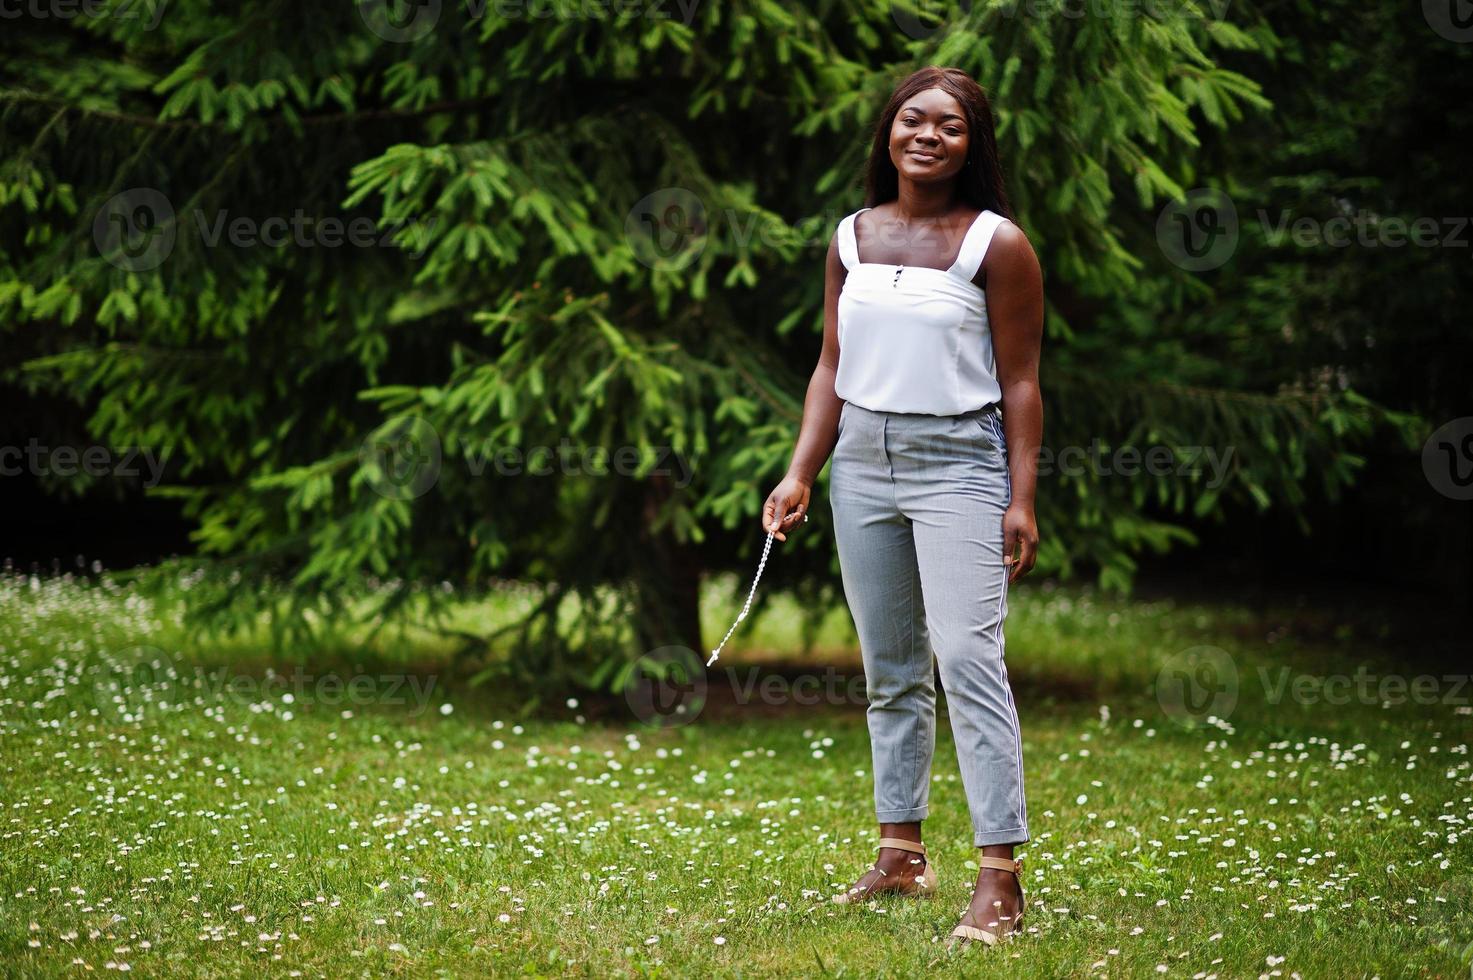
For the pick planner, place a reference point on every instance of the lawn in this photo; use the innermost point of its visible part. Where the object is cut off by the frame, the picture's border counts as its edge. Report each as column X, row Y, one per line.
column 212, row 811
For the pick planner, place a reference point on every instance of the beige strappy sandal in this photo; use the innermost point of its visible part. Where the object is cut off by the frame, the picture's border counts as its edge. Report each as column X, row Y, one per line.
column 925, row 881
column 963, row 935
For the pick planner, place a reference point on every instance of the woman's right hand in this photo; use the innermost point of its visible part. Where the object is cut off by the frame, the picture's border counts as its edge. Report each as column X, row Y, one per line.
column 786, row 506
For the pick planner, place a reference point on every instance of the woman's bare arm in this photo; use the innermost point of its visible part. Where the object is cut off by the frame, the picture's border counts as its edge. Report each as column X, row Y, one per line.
column 1015, row 313
column 818, row 431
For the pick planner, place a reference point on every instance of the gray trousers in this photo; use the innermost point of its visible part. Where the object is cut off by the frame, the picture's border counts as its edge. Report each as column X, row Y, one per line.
column 918, row 502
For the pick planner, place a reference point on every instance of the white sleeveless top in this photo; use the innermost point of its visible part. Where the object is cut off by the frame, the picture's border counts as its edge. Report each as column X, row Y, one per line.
column 916, row 339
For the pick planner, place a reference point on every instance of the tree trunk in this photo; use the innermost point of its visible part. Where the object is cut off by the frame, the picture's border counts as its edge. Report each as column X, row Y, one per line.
column 670, row 610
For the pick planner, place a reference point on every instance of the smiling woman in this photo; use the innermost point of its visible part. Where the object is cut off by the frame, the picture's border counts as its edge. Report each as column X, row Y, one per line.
column 926, row 394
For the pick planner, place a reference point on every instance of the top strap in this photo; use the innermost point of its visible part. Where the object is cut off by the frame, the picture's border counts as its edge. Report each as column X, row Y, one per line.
column 974, row 245
column 902, row 844
column 848, row 241
column 1014, row 865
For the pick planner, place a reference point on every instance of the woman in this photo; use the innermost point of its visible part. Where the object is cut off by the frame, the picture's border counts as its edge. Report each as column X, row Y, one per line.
column 927, row 395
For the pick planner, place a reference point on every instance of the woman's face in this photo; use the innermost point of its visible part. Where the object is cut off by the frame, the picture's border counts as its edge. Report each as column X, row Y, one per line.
column 929, row 138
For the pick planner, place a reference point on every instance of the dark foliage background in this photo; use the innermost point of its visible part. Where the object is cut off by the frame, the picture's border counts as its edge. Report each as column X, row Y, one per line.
column 511, row 298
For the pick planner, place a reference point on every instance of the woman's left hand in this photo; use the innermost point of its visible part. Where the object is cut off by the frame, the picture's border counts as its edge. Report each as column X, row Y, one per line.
column 1019, row 532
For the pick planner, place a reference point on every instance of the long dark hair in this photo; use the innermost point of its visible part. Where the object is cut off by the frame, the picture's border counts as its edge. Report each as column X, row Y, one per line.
column 980, row 182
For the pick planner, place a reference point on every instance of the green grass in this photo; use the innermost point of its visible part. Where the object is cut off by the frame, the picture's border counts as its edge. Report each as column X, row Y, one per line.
column 175, row 825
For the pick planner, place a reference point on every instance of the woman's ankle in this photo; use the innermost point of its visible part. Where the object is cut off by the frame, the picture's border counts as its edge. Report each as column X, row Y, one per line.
column 893, row 860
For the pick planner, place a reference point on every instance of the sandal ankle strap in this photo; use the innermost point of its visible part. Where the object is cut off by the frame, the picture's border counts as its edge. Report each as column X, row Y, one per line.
column 1015, row 865
column 903, row 844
